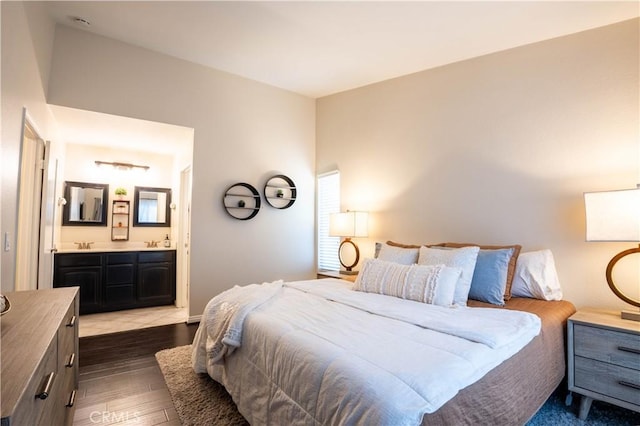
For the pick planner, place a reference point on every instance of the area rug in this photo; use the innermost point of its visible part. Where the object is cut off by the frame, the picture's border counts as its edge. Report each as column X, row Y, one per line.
column 199, row 400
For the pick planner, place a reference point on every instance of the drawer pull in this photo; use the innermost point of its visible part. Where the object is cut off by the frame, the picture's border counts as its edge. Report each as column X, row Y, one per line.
column 72, row 360
column 72, row 323
column 629, row 384
column 48, row 384
column 72, row 399
column 632, row 350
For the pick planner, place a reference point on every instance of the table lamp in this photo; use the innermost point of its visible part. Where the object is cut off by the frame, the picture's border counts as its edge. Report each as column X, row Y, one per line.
column 349, row 225
column 615, row 216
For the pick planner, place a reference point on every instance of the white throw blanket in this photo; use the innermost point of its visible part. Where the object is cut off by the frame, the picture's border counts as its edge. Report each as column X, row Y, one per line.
column 321, row 353
column 224, row 318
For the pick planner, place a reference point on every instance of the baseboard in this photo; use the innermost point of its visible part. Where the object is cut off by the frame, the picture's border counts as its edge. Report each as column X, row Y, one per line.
column 193, row 319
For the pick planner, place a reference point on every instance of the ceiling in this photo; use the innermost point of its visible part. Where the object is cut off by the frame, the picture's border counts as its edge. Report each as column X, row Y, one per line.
column 314, row 48
column 317, row 48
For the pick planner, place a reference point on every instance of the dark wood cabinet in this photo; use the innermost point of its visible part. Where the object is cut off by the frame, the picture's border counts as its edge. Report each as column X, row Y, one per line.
column 85, row 271
column 112, row 281
column 120, row 279
column 156, row 277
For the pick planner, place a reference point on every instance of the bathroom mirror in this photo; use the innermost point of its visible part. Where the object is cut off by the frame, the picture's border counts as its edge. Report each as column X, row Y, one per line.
column 151, row 206
column 86, row 204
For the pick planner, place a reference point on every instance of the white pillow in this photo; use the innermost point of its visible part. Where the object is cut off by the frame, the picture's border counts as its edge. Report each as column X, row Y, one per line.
column 434, row 285
column 404, row 256
column 463, row 258
column 536, row 276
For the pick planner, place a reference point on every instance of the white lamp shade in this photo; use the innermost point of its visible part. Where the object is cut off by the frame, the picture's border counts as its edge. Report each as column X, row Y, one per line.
column 613, row 215
column 349, row 224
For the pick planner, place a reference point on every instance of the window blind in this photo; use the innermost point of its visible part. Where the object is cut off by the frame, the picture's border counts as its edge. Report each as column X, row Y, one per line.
column 328, row 202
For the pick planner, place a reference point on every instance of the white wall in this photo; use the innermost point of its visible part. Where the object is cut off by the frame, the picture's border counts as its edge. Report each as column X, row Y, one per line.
column 244, row 131
column 25, row 31
column 497, row 149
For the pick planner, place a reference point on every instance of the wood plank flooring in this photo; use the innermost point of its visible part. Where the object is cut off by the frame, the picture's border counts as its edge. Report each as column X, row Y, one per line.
column 120, row 381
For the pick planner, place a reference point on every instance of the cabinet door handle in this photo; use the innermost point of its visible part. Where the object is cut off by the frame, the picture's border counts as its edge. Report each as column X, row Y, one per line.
column 629, row 384
column 72, row 399
column 72, row 323
column 48, row 384
column 632, row 350
column 72, row 360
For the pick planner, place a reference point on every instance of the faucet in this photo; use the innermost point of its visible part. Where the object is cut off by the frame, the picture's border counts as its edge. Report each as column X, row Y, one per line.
column 84, row 245
column 152, row 244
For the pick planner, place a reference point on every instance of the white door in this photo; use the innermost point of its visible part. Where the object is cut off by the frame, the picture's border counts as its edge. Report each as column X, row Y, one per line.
column 48, row 220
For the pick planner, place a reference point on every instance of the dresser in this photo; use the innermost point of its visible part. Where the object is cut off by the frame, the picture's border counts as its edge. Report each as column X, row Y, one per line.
column 39, row 339
column 604, row 359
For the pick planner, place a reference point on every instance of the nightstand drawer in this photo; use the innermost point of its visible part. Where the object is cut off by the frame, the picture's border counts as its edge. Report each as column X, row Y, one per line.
column 608, row 379
column 615, row 347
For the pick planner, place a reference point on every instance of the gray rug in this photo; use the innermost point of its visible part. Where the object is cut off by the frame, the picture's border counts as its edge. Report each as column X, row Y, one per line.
column 199, row 400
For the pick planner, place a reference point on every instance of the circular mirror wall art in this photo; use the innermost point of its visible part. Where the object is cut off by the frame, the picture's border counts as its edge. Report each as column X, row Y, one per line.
column 241, row 201
column 280, row 192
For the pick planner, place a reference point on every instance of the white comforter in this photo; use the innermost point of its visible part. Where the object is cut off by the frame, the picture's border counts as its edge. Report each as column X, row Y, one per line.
column 317, row 352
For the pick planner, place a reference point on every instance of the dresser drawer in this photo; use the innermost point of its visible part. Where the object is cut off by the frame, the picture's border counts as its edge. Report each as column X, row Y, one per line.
column 31, row 408
column 58, row 410
column 608, row 379
column 66, row 340
column 615, row 347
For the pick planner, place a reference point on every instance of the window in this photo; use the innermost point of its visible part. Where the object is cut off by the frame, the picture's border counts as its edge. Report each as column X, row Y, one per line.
column 328, row 202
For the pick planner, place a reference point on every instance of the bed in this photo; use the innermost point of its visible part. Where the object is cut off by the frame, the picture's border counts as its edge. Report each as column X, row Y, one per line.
column 318, row 352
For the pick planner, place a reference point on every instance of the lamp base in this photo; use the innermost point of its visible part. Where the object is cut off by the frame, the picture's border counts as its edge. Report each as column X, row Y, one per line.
column 630, row 315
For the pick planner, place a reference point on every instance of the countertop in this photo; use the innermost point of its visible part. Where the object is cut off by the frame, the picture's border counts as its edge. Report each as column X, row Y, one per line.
column 113, row 249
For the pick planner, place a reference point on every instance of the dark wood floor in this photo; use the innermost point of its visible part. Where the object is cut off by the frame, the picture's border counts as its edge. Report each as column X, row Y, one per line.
column 120, row 381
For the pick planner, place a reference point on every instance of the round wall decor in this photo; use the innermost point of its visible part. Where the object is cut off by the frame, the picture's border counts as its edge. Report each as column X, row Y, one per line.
column 241, row 201
column 280, row 192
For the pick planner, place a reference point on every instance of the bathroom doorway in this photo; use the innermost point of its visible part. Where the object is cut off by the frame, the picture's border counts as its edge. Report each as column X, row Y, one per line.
column 90, row 137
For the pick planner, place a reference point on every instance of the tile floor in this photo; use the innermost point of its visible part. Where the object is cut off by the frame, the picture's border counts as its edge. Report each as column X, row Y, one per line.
column 131, row 319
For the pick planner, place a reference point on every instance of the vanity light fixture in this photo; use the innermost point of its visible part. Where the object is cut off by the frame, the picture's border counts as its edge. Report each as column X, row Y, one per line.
column 615, row 216
column 121, row 166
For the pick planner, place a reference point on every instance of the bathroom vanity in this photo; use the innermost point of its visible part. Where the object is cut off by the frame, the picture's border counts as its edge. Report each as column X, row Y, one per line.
column 116, row 280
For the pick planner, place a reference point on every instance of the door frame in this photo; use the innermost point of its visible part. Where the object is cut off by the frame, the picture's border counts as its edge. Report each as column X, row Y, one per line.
column 184, row 240
column 30, row 206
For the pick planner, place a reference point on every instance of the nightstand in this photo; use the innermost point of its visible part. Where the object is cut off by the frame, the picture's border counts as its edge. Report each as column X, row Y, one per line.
column 604, row 359
column 336, row 274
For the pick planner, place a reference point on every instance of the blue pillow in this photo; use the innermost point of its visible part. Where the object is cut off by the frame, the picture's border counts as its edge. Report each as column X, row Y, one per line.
column 490, row 276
